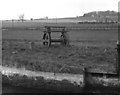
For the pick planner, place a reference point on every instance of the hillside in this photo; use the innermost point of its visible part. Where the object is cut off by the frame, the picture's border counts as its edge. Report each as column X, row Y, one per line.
column 107, row 16
column 95, row 16
column 101, row 14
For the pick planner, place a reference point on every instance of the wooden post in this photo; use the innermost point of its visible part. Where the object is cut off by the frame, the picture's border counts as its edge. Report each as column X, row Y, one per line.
column 118, row 45
column 118, row 51
column 86, row 76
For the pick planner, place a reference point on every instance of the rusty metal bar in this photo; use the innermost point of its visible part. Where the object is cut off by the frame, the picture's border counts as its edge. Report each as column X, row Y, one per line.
column 56, row 40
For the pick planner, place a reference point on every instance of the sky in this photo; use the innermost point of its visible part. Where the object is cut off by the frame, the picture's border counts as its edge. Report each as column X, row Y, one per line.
column 12, row 9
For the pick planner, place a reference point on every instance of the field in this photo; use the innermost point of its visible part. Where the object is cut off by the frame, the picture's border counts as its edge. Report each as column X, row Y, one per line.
column 70, row 25
column 91, row 45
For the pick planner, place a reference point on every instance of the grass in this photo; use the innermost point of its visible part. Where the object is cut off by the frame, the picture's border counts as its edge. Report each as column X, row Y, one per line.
column 40, row 25
column 88, row 48
column 106, row 38
column 59, row 59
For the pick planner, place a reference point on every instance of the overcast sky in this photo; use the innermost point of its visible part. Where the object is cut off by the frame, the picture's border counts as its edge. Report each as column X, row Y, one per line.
column 11, row 9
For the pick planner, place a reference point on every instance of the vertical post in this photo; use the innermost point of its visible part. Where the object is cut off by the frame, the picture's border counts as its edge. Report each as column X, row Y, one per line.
column 49, row 34
column 48, row 29
column 86, row 76
column 118, row 44
column 118, row 62
column 118, row 48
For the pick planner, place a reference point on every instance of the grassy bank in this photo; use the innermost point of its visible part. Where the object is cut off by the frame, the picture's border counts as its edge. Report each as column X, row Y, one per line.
column 71, row 59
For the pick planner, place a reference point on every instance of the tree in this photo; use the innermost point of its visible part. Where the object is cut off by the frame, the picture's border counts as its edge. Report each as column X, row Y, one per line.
column 31, row 19
column 46, row 17
column 21, row 17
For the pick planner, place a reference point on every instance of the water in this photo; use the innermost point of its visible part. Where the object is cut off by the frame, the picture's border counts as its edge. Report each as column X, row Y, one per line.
column 6, row 88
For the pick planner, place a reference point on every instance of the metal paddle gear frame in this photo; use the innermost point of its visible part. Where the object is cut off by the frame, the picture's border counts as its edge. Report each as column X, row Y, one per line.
column 47, row 38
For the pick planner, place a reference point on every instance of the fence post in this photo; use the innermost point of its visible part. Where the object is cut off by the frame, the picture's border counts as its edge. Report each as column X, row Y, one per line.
column 118, row 62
